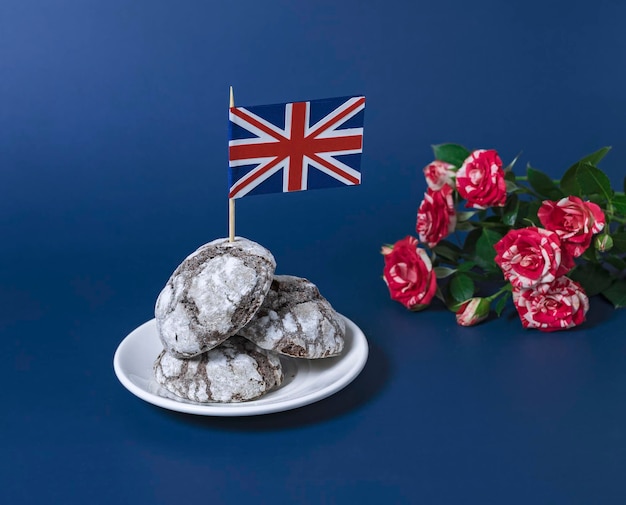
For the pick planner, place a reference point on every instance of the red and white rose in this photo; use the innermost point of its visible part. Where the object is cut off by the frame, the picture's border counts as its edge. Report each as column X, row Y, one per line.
column 559, row 305
column 409, row 274
column 530, row 256
column 436, row 217
column 480, row 180
column 439, row 173
column 574, row 221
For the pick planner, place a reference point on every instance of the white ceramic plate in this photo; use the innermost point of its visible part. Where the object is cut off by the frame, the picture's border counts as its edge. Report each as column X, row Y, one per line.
column 306, row 381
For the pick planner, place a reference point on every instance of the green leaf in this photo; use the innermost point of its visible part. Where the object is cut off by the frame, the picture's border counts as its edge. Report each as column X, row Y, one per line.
column 443, row 272
column 543, row 184
column 616, row 262
column 522, row 212
column 619, row 242
column 448, row 251
column 464, row 226
column 450, row 153
column 509, row 215
column 510, row 186
column 595, row 158
column 616, row 294
column 439, row 294
column 624, row 188
column 485, row 252
column 569, row 182
column 461, row 287
column 510, row 166
column 509, row 176
column 502, row 303
column 590, row 254
column 619, row 203
column 448, row 299
column 464, row 215
column 592, row 277
column 531, row 213
column 597, row 199
column 469, row 246
column 593, row 180
column 498, row 226
column 585, row 179
column 466, row 266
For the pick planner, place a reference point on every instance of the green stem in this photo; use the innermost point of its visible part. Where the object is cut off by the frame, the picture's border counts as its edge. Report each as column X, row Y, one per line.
column 529, row 191
column 507, row 287
column 525, row 178
column 484, row 224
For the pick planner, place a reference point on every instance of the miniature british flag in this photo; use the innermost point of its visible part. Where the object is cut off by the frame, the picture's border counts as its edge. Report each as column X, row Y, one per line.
column 295, row 146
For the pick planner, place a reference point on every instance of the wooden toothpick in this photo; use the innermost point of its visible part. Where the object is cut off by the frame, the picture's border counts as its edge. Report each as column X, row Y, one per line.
column 231, row 201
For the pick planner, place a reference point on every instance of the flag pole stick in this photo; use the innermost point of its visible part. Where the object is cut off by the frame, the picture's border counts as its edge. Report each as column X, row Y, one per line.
column 231, row 201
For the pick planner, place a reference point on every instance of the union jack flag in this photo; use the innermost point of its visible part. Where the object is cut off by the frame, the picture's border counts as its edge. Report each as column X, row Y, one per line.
column 295, row 146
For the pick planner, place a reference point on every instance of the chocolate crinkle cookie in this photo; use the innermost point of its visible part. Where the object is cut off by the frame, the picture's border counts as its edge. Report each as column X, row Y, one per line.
column 213, row 293
column 297, row 321
column 235, row 371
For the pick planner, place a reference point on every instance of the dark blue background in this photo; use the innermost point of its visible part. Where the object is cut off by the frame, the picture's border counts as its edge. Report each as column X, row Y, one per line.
column 113, row 127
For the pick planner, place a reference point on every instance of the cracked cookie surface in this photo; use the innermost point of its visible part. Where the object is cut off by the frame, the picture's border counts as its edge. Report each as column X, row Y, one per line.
column 214, row 292
column 235, row 371
column 297, row 321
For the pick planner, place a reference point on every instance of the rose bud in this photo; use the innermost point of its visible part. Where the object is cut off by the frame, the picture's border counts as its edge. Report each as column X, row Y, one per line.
column 604, row 243
column 386, row 249
column 472, row 311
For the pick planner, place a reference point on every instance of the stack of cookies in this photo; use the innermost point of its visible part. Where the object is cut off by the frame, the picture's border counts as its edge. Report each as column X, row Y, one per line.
column 224, row 319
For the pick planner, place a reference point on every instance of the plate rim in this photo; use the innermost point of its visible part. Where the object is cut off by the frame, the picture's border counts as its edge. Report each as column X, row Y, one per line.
column 359, row 345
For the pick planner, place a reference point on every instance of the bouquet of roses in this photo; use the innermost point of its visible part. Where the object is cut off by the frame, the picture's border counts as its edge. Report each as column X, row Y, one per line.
column 548, row 244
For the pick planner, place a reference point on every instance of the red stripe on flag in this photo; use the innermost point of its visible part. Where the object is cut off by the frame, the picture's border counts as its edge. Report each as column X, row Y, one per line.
column 251, row 177
column 296, row 146
column 292, row 146
column 336, row 118
column 335, row 169
column 250, row 119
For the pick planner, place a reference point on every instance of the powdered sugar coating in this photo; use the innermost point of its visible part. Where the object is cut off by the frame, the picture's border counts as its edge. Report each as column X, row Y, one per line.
column 213, row 293
column 235, row 371
column 296, row 320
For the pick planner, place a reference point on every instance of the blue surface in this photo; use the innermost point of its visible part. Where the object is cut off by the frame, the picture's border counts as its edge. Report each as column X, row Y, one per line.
column 113, row 128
